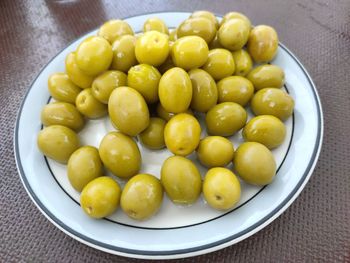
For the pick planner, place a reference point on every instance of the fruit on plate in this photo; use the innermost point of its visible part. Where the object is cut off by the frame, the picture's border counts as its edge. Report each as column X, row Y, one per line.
column 57, row 142
column 182, row 134
column 120, row 154
column 254, row 163
column 181, row 180
column 142, row 196
column 221, row 188
column 100, row 197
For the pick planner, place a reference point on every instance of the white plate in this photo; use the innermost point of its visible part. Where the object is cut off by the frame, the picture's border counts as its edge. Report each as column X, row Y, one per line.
column 175, row 231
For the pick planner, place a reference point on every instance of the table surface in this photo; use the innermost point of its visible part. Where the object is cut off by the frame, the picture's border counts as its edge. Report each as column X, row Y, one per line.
column 314, row 228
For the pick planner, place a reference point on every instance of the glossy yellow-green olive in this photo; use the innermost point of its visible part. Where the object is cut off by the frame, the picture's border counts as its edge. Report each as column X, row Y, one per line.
column 243, row 62
column 271, row 101
column 120, row 154
column 215, row 151
column 266, row 76
column 206, row 14
column 142, row 196
column 58, row 142
column 105, row 83
column 215, row 43
column 225, row 119
column 155, row 24
column 265, row 129
column 62, row 113
column 94, row 55
column 235, row 89
column 263, row 43
column 173, row 35
column 234, row 34
column 128, row 111
column 153, row 136
column 61, row 88
column 175, row 90
column 205, row 92
column 113, row 29
column 75, row 74
column 235, row 15
column 145, row 79
column 189, row 52
column 124, row 53
column 84, row 165
column 197, row 26
column 152, row 48
column 221, row 188
column 165, row 115
column 100, row 197
column 89, row 106
column 254, row 163
column 182, row 134
column 220, row 63
column 181, row 180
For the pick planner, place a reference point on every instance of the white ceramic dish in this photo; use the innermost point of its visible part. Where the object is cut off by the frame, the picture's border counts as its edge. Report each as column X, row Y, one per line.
column 175, row 231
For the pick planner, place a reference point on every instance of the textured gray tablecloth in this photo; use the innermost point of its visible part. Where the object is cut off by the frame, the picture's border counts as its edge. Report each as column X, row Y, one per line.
column 314, row 229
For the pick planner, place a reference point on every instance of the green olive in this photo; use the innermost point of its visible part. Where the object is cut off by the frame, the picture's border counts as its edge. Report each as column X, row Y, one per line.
column 215, row 151
column 175, row 90
column 113, row 29
column 197, row 26
column 220, row 63
column 235, row 89
column 89, row 106
column 165, row 115
column 243, row 62
column 225, row 119
column 142, row 196
column 271, row 101
column 181, row 180
column 62, row 113
column 120, row 154
column 208, row 15
column 124, row 53
column 234, row 34
column 62, row 88
column 94, row 55
column 152, row 48
column 182, row 134
column 84, row 165
column 145, row 79
column 105, row 83
column 235, row 15
column 58, row 142
column 215, row 43
column 153, row 136
column 263, row 43
column 265, row 129
column 76, row 75
column 155, row 24
column 100, row 197
column 221, row 188
column 189, row 52
column 255, row 163
column 266, row 76
column 205, row 93
column 173, row 35
column 128, row 111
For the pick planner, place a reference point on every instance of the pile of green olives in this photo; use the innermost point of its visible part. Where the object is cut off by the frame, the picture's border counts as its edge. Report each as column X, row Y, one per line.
column 153, row 86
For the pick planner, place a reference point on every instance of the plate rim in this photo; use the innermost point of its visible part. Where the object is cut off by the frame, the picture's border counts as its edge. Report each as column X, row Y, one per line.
column 187, row 252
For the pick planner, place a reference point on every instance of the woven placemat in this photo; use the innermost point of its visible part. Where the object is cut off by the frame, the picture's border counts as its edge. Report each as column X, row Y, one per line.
column 315, row 228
